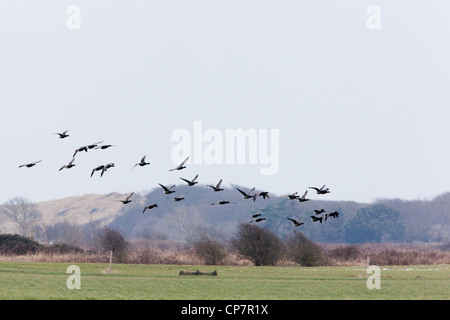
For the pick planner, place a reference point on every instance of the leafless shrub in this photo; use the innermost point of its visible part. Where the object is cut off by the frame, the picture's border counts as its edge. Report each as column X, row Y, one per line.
column 304, row 251
column 259, row 245
column 345, row 253
column 210, row 251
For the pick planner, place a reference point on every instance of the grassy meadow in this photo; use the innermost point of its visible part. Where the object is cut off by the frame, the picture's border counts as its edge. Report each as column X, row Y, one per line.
column 47, row 280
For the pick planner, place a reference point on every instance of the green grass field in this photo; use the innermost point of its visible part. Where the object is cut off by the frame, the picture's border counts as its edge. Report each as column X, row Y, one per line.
column 44, row 281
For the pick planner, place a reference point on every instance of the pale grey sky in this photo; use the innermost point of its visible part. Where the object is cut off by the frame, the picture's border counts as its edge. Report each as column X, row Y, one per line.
column 364, row 111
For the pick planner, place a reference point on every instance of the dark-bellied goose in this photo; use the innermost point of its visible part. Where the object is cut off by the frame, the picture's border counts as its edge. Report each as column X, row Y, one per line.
column 296, row 222
column 247, row 195
column 107, row 166
column 150, row 207
column 257, row 214
column 103, row 168
column 192, row 182
column 179, row 198
column 69, row 165
column 293, row 196
column 86, row 148
column 319, row 211
column 63, row 135
column 258, row 220
column 29, row 165
column 92, row 146
column 180, row 166
column 334, row 214
column 303, row 197
column 142, row 163
column 321, row 190
column 127, row 199
column 264, row 194
column 167, row 190
column 222, row 202
column 313, row 218
column 216, row 188
column 80, row 149
column 105, row 146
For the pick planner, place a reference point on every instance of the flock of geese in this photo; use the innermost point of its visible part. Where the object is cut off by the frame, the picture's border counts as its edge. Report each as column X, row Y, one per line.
column 319, row 215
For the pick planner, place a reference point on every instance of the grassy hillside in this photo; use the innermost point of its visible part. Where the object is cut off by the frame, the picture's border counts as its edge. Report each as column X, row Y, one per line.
column 81, row 209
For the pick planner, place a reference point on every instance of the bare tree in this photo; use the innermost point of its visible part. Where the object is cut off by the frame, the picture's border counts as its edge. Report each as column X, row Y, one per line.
column 304, row 251
column 66, row 232
column 23, row 213
column 259, row 245
column 112, row 241
column 208, row 245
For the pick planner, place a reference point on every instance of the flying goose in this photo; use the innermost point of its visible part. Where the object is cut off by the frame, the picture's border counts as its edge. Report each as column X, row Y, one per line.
column 264, row 194
column 107, row 166
column 80, row 149
column 217, row 187
column 180, row 166
column 69, row 165
column 334, row 214
column 303, row 197
column 257, row 214
column 313, row 218
column 142, row 163
column 191, row 182
column 293, row 196
column 258, row 220
column 127, row 199
column 319, row 211
column 92, row 146
column 105, row 146
column 167, row 190
column 103, row 168
column 86, row 148
column 247, row 195
column 29, row 165
column 321, row 190
column 296, row 222
column 63, row 135
column 150, row 207
column 221, row 202
column 179, row 198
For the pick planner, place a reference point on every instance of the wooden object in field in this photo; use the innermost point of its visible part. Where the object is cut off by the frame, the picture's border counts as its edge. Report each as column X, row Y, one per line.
column 110, row 259
column 197, row 273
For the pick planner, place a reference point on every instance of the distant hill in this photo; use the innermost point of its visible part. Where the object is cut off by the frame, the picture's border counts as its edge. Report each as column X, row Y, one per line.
column 418, row 220
column 81, row 209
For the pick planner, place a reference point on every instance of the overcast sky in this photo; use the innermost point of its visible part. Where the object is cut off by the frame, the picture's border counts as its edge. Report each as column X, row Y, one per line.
column 364, row 111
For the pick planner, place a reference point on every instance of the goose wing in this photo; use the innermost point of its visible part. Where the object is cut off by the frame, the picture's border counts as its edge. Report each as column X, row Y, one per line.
column 128, row 198
column 242, row 192
column 164, row 187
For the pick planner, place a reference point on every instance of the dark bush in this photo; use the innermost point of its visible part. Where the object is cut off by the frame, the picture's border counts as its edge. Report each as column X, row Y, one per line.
column 14, row 244
column 112, row 241
column 212, row 252
column 304, row 251
column 259, row 245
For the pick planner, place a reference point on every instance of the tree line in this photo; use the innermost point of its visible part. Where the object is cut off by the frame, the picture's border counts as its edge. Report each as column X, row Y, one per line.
column 384, row 220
